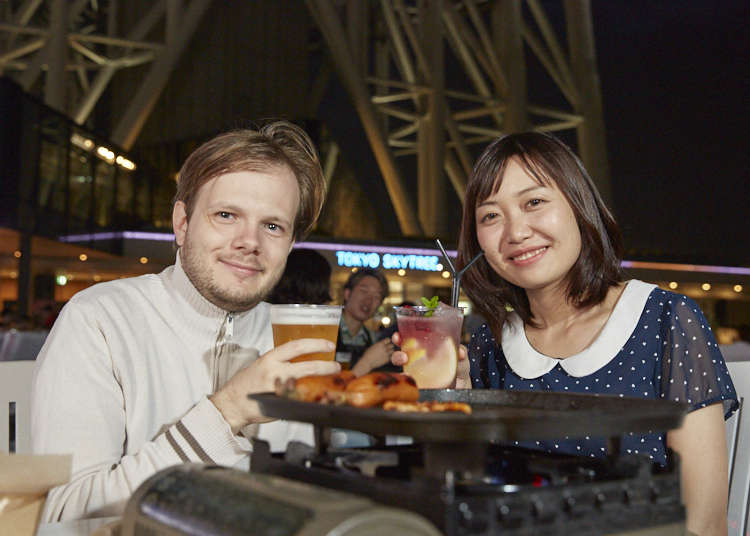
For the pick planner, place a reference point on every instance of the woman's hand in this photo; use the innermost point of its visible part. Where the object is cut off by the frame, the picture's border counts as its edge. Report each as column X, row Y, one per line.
column 463, row 379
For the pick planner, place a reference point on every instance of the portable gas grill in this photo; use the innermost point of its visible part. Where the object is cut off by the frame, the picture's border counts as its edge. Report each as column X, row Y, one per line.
column 460, row 476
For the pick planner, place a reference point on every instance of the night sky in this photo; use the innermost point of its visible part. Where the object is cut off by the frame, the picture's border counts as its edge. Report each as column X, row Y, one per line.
column 674, row 76
column 674, row 80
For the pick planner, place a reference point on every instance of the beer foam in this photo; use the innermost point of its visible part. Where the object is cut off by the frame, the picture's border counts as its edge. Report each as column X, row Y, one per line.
column 328, row 316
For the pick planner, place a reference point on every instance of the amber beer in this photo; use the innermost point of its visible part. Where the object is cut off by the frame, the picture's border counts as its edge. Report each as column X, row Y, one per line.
column 300, row 321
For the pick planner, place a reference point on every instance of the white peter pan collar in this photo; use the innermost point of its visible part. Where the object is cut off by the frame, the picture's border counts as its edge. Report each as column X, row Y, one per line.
column 527, row 363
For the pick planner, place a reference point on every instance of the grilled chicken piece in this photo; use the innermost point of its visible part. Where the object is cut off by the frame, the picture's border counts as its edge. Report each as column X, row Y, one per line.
column 375, row 388
column 326, row 389
column 428, row 406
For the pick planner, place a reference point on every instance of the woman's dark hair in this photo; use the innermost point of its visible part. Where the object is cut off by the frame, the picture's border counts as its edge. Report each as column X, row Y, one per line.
column 547, row 160
column 306, row 279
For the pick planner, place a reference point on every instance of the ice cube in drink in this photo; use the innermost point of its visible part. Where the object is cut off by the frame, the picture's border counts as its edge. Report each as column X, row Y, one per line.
column 430, row 339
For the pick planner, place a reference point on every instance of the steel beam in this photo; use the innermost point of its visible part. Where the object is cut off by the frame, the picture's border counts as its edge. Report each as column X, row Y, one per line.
column 327, row 20
column 431, row 181
column 132, row 121
column 103, row 77
column 54, row 86
column 44, row 55
column 591, row 132
column 506, row 22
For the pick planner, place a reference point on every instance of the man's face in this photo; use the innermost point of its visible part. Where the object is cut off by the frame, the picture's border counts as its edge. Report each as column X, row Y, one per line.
column 363, row 300
column 234, row 247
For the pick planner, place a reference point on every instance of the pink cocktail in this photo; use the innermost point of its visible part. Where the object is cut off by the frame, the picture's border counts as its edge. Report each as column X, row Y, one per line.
column 430, row 339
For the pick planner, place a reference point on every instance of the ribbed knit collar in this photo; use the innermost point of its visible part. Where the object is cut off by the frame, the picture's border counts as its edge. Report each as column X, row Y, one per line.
column 199, row 316
column 180, row 283
column 528, row 363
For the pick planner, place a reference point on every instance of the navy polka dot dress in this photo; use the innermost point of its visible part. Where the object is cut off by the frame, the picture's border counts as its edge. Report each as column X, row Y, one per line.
column 655, row 344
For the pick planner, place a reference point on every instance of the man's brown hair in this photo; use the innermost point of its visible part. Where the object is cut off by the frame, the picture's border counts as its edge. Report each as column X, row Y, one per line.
column 277, row 144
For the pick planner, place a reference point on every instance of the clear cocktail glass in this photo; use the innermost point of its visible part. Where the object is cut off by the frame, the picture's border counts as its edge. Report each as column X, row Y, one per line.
column 430, row 338
column 303, row 321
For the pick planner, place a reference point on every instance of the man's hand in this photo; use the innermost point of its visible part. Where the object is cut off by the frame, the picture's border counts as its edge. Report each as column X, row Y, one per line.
column 231, row 399
column 463, row 379
column 375, row 356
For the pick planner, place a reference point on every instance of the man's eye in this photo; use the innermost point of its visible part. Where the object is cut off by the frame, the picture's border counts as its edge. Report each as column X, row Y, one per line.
column 224, row 215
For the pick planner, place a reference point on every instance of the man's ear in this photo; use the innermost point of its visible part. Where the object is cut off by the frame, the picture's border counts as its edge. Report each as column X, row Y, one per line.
column 347, row 293
column 179, row 222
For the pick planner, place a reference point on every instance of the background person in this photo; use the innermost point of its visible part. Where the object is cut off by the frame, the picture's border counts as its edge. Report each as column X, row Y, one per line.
column 139, row 374
column 306, row 279
column 552, row 252
column 364, row 292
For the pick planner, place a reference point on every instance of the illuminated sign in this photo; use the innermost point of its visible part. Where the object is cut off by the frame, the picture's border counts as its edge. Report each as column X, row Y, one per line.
column 389, row 261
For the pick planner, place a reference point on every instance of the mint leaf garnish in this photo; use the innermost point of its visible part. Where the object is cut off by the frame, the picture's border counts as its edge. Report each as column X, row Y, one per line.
column 431, row 304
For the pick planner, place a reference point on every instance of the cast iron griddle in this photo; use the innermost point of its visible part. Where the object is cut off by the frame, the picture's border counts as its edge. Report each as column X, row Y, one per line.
column 497, row 415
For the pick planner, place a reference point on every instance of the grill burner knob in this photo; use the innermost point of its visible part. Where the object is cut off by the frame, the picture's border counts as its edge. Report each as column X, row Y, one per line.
column 472, row 521
column 543, row 512
column 636, row 496
column 663, row 496
column 510, row 515
column 579, row 503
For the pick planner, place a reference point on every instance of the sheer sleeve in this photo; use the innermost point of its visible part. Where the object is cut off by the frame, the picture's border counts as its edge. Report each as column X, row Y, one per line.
column 692, row 368
column 484, row 355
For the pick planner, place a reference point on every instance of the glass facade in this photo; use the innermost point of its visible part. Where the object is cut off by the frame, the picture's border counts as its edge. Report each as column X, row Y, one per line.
column 61, row 179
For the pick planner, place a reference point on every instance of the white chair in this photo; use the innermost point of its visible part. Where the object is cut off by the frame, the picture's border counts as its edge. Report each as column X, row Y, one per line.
column 15, row 387
column 22, row 345
column 738, row 444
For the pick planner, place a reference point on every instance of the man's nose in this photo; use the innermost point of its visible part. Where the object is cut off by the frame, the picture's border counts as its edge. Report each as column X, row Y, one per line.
column 246, row 237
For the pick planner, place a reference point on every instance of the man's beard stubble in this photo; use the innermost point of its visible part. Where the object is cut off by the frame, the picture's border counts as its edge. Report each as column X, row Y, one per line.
column 199, row 274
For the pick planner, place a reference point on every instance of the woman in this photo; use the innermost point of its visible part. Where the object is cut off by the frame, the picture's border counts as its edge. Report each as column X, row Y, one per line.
column 552, row 256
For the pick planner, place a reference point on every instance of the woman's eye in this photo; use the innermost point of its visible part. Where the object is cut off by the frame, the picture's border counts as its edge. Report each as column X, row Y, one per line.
column 535, row 202
column 488, row 217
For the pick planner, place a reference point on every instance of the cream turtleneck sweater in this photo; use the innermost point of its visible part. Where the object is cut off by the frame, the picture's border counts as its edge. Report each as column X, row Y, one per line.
column 122, row 384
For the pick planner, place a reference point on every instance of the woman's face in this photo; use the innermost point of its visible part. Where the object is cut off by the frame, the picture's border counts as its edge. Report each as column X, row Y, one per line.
column 528, row 231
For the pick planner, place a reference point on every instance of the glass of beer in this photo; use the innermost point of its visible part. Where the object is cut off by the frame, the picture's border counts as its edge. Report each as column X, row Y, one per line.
column 303, row 321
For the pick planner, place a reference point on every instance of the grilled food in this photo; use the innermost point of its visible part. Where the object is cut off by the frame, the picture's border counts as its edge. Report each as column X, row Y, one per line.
column 344, row 388
column 325, row 389
column 377, row 387
column 429, row 406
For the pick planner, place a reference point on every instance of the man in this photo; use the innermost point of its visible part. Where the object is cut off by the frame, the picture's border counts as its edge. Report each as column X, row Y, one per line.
column 364, row 291
column 139, row 374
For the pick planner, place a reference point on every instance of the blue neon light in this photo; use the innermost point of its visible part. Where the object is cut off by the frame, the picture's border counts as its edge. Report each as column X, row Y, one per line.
column 390, row 261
